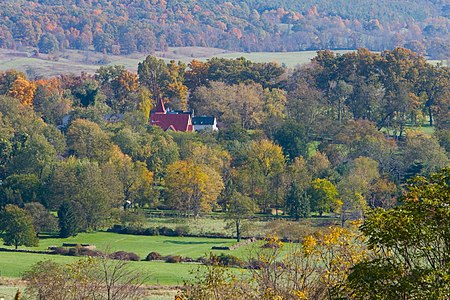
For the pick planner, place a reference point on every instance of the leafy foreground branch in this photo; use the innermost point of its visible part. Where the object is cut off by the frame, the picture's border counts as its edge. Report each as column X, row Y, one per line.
column 99, row 278
column 316, row 269
column 412, row 242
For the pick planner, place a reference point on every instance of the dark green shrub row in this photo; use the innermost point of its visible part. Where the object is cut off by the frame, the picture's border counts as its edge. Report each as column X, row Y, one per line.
column 83, row 251
column 222, row 259
column 150, row 231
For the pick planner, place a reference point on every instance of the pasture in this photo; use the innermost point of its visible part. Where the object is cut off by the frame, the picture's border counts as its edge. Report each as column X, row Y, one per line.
column 141, row 245
column 13, row 265
column 74, row 61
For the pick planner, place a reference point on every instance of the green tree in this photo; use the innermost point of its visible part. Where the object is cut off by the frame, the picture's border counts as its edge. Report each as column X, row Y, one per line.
column 33, row 157
column 85, row 182
column 48, row 43
column 43, row 220
column 17, row 227
column 153, row 74
column 85, row 139
column 240, row 208
column 324, row 196
column 19, row 189
column 411, row 242
column 297, row 202
column 71, row 218
column 292, row 137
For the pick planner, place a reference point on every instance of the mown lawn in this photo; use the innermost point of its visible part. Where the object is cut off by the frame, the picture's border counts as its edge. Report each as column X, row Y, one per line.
column 13, row 265
column 141, row 245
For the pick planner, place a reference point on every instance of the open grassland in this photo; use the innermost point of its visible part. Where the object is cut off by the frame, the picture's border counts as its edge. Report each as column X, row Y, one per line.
column 142, row 245
column 13, row 265
column 72, row 61
column 254, row 228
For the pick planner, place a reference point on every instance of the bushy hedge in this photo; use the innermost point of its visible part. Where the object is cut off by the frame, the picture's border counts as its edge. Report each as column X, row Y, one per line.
column 171, row 258
column 123, row 255
column 154, row 256
column 79, row 250
column 150, row 231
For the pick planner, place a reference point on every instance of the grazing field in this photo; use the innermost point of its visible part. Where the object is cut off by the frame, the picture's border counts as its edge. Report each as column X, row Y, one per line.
column 71, row 61
column 254, row 228
column 142, row 245
column 13, row 265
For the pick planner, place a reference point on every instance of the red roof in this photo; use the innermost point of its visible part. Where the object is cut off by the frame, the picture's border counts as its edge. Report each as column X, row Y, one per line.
column 177, row 122
column 160, row 109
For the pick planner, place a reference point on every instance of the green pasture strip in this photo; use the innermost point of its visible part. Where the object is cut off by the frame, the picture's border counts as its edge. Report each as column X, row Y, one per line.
column 13, row 265
column 141, row 245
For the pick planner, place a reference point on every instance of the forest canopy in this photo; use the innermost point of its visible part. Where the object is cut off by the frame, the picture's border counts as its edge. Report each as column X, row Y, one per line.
column 124, row 27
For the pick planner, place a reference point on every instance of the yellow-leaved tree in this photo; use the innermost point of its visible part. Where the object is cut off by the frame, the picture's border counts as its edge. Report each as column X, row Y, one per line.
column 192, row 188
column 23, row 90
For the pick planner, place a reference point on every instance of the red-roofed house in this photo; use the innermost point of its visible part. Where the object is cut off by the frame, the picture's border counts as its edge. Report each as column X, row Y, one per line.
column 168, row 120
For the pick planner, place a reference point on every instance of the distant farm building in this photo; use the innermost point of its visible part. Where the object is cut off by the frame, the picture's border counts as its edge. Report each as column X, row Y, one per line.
column 204, row 123
column 171, row 120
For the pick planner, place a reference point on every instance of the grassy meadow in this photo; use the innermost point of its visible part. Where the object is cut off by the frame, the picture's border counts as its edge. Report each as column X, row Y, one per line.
column 141, row 245
column 72, row 61
column 13, row 264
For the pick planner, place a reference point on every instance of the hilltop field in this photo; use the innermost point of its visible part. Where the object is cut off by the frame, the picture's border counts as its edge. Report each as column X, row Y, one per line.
column 74, row 61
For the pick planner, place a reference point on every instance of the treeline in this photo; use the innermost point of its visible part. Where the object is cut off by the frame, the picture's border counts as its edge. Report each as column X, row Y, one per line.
column 123, row 27
column 332, row 136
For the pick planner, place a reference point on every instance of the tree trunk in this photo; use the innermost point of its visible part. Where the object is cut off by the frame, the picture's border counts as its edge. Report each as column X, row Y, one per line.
column 238, row 231
column 430, row 115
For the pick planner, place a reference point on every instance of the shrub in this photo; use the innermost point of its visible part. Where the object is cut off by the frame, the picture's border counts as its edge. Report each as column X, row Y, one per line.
column 182, row 230
column 167, row 231
column 255, row 264
column 154, row 256
column 229, row 260
column 151, row 231
column 61, row 250
column 174, row 259
column 89, row 252
column 123, row 255
column 73, row 251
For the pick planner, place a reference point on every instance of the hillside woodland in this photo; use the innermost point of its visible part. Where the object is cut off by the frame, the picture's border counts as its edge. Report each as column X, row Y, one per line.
column 126, row 26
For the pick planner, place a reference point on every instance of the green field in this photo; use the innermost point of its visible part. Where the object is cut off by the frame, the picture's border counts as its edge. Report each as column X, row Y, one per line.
column 13, row 265
column 72, row 61
column 142, row 245
column 159, row 273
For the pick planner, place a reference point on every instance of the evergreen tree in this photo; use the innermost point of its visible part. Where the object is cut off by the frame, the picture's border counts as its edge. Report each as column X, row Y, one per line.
column 71, row 219
column 297, row 202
